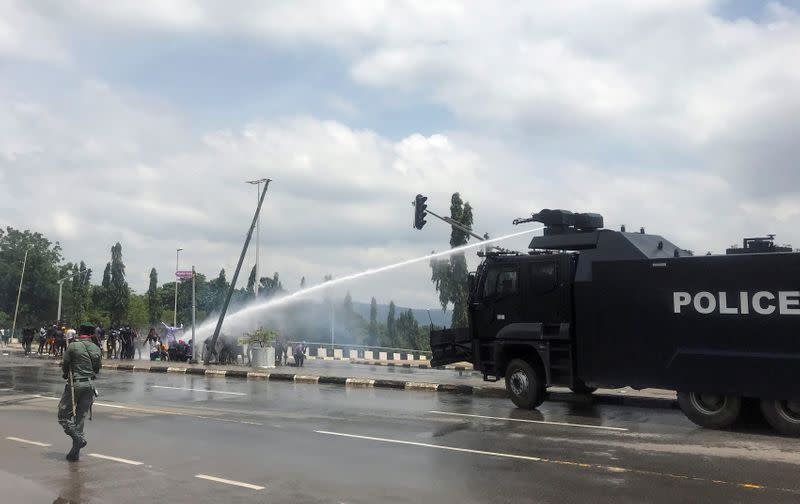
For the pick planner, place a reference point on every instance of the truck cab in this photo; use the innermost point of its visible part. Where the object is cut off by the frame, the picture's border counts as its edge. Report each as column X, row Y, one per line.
column 522, row 307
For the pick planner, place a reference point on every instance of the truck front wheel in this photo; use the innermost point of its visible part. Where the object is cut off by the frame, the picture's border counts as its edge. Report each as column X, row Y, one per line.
column 524, row 384
column 783, row 416
column 713, row 411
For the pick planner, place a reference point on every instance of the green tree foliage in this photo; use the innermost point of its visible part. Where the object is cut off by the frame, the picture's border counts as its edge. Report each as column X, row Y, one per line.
column 119, row 292
column 354, row 324
column 217, row 290
column 39, row 295
column 373, row 323
column 251, row 281
column 449, row 276
column 391, row 332
column 406, row 331
column 138, row 314
column 154, row 306
column 81, row 293
column 102, row 296
column 270, row 286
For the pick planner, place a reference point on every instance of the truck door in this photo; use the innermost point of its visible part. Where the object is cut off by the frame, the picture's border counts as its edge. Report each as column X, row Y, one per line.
column 500, row 302
column 544, row 298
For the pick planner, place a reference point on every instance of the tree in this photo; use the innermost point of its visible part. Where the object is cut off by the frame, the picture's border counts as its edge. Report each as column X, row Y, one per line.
column 390, row 327
column 102, row 295
column 138, row 313
column 153, row 302
column 119, row 292
column 81, row 293
column 39, row 295
column 270, row 286
column 449, row 276
column 373, row 323
column 219, row 288
column 251, row 280
column 303, row 283
column 406, row 330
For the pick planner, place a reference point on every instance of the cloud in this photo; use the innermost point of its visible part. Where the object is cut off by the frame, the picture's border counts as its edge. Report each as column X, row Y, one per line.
column 655, row 113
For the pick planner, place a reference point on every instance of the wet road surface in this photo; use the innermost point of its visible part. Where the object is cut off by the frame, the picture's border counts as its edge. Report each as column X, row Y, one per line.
column 182, row 438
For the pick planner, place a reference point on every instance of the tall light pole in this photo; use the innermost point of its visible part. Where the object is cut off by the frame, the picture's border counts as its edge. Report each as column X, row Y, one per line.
column 19, row 291
column 175, row 311
column 258, row 230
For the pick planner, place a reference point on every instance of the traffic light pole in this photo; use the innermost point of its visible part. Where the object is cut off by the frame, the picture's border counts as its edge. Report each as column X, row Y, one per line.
column 457, row 225
column 235, row 276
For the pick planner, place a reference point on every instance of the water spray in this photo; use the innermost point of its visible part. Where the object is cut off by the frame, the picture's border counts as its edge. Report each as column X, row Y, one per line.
column 273, row 303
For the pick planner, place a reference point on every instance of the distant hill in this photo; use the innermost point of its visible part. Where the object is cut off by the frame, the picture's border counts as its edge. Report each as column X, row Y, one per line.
column 440, row 318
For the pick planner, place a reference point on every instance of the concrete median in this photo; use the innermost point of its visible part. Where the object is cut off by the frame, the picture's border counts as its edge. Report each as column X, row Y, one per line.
column 655, row 399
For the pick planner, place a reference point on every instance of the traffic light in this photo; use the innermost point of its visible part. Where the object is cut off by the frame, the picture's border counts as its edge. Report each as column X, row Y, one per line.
column 420, row 209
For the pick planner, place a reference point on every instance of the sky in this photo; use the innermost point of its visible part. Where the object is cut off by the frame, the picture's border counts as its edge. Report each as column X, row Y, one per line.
column 140, row 122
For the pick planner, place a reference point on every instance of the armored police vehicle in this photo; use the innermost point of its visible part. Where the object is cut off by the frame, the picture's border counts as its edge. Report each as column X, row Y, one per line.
column 589, row 307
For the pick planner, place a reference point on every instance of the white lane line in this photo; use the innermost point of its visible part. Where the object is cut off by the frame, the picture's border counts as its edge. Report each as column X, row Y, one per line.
column 440, row 447
column 229, row 482
column 115, row 459
column 199, row 390
column 568, row 463
column 161, row 412
column 563, row 424
column 28, row 441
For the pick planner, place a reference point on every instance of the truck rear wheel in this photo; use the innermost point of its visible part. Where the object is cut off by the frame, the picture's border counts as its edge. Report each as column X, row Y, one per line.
column 713, row 411
column 783, row 416
column 524, row 384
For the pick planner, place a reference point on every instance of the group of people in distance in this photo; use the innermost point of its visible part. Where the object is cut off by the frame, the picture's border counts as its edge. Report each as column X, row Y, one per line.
column 122, row 342
column 52, row 341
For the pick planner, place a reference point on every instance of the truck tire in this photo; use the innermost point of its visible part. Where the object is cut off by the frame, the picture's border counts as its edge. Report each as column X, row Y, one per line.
column 525, row 384
column 713, row 411
column 783, row 416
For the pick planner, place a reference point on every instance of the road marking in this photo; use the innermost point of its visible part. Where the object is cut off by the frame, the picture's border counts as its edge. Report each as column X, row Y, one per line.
column 160, row 412
column 563, row 424
column 199, row 390
column 229, row 482
column 27, row 441
column 115, row 459
column 582, row 465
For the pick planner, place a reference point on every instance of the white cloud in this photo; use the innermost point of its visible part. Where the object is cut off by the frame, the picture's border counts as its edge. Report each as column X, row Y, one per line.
column 655, row 113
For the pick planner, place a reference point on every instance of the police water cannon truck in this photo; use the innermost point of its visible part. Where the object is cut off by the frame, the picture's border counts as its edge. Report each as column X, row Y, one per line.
column 589, row 307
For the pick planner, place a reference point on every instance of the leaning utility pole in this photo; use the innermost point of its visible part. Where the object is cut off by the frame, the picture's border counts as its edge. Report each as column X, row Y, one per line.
column 19, row 292
column 236, row 275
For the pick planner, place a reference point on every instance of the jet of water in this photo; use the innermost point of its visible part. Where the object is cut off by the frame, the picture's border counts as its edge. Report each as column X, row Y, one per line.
column 208, row 327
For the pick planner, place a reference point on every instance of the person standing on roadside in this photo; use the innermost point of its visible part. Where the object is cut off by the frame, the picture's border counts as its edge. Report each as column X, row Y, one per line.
column 42, row 339
column 79, row 367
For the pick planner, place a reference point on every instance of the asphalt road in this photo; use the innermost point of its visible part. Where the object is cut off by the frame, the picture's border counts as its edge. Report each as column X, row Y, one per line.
column 182, row 438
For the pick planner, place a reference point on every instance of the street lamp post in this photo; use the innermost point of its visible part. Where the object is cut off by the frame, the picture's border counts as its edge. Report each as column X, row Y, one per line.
column 258, row 230
column 175, row 310
column 194, row 316
column 19, row 292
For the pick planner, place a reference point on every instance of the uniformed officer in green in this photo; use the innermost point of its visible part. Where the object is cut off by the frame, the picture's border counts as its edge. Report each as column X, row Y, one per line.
column 80, row 365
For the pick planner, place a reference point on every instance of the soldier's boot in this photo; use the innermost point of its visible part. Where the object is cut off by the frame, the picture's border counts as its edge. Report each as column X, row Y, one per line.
column 75, row 453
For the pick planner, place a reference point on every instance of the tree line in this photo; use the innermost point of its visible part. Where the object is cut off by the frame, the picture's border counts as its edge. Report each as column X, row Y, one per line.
column 112, row 302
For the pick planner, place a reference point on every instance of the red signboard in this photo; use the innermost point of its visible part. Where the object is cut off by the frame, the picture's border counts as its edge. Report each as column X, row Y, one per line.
column 183, row 273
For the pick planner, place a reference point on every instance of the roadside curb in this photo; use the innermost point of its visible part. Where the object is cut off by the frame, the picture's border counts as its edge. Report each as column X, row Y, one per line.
column 493, row 392
column 408, row 365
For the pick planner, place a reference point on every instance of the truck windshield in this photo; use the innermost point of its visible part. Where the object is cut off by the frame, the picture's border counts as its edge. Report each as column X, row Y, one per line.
column 500, row 282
